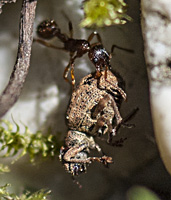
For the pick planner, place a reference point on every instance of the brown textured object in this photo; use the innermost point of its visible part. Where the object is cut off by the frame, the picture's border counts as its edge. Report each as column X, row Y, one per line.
column 13, row 90
column 75, row 153
column 94, row 105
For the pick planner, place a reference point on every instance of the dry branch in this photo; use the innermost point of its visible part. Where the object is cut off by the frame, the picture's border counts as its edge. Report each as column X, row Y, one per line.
column 12, row 91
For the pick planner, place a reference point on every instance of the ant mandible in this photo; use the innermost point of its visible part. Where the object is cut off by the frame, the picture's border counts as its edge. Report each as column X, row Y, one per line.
column 49, row 29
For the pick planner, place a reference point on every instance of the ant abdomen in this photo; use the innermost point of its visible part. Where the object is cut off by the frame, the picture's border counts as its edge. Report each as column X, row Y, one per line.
column 49, row 29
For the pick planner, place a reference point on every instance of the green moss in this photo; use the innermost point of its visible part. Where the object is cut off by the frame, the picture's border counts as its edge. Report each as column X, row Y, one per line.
column 15, row 143
column 39, row 195
column 19, row 144
column 141, row 193
column 4, row 169
column 104, row 13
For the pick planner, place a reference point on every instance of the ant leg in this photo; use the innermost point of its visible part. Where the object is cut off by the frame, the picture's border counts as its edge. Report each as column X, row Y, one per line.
column 67, row 68
column 106, row 68
column 72, row 76
column 72, row 72
column 48, row 44
column 98, row 73
column 66, row 71
column 69, row 24
column 121, row 48
column 91, row 36
column 70, row 29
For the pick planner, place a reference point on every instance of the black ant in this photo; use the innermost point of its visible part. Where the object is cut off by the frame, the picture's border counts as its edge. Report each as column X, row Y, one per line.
column 48, row 29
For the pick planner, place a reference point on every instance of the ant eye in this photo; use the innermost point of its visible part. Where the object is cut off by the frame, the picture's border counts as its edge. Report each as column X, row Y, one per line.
column 95, row 60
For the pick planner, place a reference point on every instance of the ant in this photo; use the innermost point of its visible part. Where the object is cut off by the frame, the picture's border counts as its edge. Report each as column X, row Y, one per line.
column 49, row 29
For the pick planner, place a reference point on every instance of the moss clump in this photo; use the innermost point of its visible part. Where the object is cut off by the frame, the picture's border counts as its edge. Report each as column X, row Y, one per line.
column 17, row 143
column 104, row 13
column 39, row 195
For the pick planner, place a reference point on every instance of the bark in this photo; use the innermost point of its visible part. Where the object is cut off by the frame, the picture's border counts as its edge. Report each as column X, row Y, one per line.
column 13, row 90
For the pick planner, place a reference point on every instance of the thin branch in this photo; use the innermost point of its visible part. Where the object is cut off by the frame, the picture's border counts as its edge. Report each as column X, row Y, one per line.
column 8, row 1
column 12, row 92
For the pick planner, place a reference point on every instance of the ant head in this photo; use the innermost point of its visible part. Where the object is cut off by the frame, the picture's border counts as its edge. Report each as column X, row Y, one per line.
column 47, row 29
column 99, row 56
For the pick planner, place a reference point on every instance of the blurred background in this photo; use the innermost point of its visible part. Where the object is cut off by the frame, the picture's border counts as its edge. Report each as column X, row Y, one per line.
column 46, row 95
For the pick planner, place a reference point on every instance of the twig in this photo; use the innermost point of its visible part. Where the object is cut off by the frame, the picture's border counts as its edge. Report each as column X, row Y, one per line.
column 12, row 91
column 8, row 1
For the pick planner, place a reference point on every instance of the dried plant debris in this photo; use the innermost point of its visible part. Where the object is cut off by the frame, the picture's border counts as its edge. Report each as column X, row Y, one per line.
column 2, row 2
column 102, row 13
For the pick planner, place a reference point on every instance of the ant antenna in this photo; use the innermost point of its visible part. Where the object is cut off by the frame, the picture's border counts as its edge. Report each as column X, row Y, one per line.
column 121, row 48
column 69, row 24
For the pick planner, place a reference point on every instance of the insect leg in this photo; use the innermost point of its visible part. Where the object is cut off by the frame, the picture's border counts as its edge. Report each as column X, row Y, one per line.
column 72, row 76
column 66, row 71
column 106, row 69
column 48, row 44
column 73, row 151
column 121, row 48
column 70, row 29
column 69, row 24
column 67, row 68
column 91, row 36
column 112, row 87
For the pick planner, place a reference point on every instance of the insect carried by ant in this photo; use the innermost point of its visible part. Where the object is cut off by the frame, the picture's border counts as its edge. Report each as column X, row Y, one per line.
column 98, row 55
